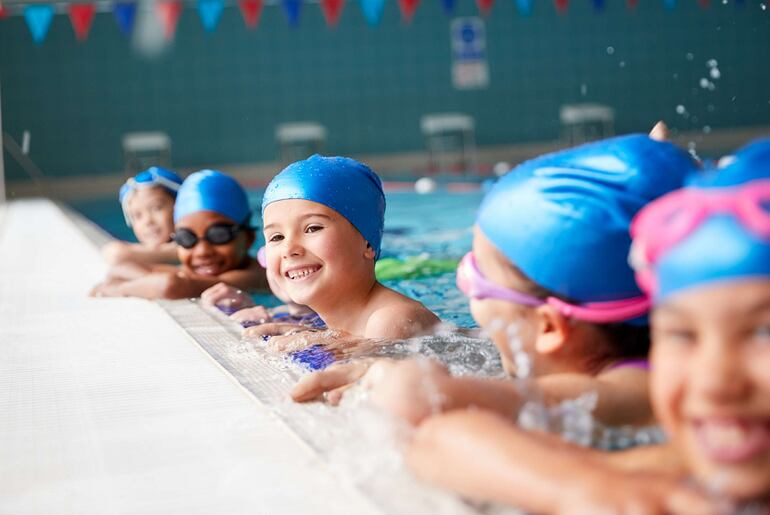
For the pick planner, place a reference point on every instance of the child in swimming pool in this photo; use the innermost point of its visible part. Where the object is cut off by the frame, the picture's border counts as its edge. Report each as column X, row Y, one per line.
column 548, row 275
column 213, row 236
column 323, row 223
column 147, row 201
column 703, row 255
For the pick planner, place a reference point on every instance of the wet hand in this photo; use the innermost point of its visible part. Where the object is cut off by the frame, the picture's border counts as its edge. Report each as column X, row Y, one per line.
column 330, row 383
column 280, row 337
column 224, row 295
column 258, row 314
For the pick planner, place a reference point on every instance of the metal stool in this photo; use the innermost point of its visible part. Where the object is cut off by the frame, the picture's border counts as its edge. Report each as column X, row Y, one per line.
column 451, row 142
column 586, row 122
column 142, row 150
column 299, row 140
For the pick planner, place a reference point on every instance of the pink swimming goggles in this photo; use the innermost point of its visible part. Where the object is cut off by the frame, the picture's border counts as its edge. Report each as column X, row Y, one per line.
column 670, row 219
column 473, row 284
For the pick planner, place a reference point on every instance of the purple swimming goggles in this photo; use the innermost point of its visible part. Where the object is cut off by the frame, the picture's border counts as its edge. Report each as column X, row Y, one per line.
column 473, row 284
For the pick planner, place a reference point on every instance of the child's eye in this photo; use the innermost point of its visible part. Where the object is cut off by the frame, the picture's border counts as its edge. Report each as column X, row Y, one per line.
column 675, row 336
column 313, row 228
column 275, row 237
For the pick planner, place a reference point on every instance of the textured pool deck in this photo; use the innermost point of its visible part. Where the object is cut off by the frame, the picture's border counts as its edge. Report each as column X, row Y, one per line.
column 125, row 406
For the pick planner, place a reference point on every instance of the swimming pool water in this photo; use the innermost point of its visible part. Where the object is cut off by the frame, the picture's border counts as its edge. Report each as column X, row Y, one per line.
column 437, row 224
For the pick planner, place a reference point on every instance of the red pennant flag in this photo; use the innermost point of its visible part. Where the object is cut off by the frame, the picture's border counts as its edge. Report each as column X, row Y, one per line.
column 704, row 4
column 332, row 10
column 485, row 6
column 3, row 11
column 169, row 12
column 632, row 4
column 81, row 17
column 561, row 6
column 408, row 7
column 250, row 9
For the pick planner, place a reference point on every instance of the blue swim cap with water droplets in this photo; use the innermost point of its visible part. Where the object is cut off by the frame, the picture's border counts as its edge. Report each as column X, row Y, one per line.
column 340, row 183
column 210, row 190
column 563, row 219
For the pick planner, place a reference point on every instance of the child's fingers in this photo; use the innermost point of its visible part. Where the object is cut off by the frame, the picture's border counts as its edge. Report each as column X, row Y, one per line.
column 334, row 378
column 255, row 314
column 272, row 329
column 212, row 295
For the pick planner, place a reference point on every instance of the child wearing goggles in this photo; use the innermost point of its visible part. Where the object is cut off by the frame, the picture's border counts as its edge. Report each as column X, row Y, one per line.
column 323, row 221
column 548, row 278
column 212, row 238
column 147, row 201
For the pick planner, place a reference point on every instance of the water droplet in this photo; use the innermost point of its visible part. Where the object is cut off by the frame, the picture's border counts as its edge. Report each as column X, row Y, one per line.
column 715, row 73
column 584, row 89
column 706, row 129
column 712, row 63
column 622, row 64
column 704, row 82
column 680, row 109
column 689, row 56
column 710, row 108
column 610, row 50
column 763, row 6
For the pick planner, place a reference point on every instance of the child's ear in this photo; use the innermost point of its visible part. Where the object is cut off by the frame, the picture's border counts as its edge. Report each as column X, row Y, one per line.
column 369, row 253
column 553, row 329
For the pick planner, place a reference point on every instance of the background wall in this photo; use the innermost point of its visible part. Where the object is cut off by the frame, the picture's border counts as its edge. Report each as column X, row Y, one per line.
column 220, row 95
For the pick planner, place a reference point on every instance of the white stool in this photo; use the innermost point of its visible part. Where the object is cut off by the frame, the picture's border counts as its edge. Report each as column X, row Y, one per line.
column 299, row 140
column 142, row 150
column 586, row 122
column 451, row 141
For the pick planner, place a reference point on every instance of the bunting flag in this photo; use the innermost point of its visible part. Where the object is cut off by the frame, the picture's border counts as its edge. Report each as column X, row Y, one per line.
column 81, row 17
column 704, row 4
column 669, row 4
column 169, row 12
column 449, row 6
column 292, row 8
column 598, row 5
column 485, row 6
column 3, row 11
column 524, row 7
column 38, row 18
column 408, row 7
column 210, row 11
column 125, row 12
column 632, row 4
column 332, row 9
column 372, row 10
column 561, row 6
column 250, row 10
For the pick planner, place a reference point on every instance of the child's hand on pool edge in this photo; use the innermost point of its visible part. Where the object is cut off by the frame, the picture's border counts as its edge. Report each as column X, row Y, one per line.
column 330, row 383
column 222, row 294
column 258, row 314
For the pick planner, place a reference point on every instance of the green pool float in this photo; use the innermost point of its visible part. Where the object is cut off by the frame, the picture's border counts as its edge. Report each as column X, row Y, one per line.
column 413, row 267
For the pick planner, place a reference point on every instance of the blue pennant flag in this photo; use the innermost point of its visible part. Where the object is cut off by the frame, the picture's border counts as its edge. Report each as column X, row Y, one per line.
column 291, row 9
column 598, row 5
column 669, row 4
column 124, row 14
column 38, row 17
column 449, row 6
column 210, row 11
column 372, row 11
column 524, row 7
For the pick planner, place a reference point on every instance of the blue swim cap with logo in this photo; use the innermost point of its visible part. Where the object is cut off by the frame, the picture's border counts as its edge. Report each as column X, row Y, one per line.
column 210, row 190
column 340, row 183
column 563, row 219
column 154, row 176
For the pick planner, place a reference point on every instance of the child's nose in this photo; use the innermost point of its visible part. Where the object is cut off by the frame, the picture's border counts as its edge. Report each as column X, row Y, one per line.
column 292, row 248
column 719, row 372
column 203, row 248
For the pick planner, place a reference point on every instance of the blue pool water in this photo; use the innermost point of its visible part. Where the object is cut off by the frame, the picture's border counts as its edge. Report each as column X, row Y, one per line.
column 437, row 224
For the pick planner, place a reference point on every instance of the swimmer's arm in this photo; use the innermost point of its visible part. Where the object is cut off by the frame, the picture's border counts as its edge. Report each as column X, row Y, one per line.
column 399, row 321
column 117, row 252
column 170, row 284
column 485, row 457
column 623, row 395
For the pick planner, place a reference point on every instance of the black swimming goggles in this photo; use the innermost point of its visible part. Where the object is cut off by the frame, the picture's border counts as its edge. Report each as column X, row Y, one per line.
column 216, row 234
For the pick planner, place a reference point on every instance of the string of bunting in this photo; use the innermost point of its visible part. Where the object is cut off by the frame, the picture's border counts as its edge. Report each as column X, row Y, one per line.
column 39, row 16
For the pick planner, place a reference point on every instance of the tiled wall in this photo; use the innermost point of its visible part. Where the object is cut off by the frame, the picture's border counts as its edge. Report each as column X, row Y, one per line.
column 220, row 95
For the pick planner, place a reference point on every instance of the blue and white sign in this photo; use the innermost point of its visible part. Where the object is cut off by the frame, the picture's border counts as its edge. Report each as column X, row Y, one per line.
column 469, row 53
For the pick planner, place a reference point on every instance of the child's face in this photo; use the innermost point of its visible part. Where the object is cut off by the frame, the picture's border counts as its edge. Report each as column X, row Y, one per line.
column 206, row 258
column 315, row 254
column 710, row 383
column 503, row 320
column 151, row 211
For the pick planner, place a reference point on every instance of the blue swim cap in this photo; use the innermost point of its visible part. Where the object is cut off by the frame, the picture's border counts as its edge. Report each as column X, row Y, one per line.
column 153, row 176
column 340, row 183
column 563, row 219
column 209, row 190
column 729, row 229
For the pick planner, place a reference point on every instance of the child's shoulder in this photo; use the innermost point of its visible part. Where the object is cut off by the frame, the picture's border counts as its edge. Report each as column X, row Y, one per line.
column 398, row 316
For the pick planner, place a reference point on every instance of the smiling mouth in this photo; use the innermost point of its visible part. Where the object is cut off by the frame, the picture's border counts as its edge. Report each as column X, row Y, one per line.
column 733, row 440
column 210, row 269
column 298, row 274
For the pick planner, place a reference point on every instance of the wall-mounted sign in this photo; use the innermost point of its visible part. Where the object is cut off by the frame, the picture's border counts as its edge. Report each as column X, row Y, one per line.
column 469, row 53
